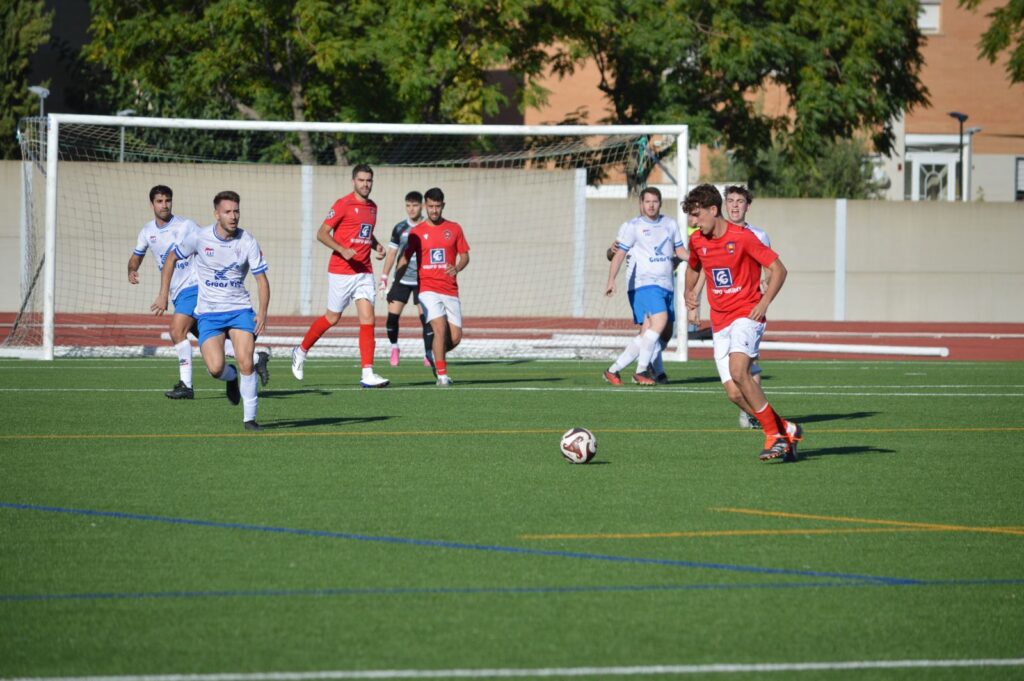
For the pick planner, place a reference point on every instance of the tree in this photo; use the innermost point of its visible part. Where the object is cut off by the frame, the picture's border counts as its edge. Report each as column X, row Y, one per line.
column 24, row 26
column 1007, row 27
column 307, row 60
column 845, row 66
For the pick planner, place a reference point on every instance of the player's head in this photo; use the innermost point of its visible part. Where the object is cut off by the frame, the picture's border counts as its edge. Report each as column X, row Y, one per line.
column 704, row 206
column 737, row 202
column 160, row 197
column 650, row 202
column 414, row 205
column 226, row 211
column 433, row 201
column 362, row 180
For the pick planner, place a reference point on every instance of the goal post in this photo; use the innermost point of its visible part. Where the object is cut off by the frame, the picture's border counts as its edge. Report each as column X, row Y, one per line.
column 527, row 197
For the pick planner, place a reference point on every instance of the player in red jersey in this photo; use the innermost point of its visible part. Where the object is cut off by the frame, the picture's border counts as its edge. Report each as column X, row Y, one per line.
column 348, row 232
column 732, row 258
column 442, row 252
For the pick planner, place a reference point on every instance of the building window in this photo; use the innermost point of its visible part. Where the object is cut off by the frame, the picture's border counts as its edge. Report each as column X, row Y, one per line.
column 1019, row 195
column 928, row 16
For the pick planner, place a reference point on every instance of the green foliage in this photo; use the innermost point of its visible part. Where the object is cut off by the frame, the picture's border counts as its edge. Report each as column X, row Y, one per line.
column 24, row 27
column 845, row 66
column 1005, row 33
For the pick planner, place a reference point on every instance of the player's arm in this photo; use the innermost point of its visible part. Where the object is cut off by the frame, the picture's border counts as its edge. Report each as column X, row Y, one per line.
column 376, row 246
column 610, row 253
column 388, row 262
column 461, row 262
column 263, row 286
column 134, row 263
column 694, row 279
column 613, row 270
column 159, row 305
column 324, row 235
column 776, row 278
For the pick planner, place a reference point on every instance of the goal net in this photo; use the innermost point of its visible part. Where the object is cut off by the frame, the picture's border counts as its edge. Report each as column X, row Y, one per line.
column 539, row 207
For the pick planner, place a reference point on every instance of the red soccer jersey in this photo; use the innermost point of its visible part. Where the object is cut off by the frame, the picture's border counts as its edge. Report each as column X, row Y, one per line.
column 436, row 247
column 352, row 221
column 732, row 264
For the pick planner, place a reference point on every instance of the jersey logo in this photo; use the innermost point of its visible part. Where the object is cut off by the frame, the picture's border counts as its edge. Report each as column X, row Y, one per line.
column 447, row 236
column 365, row 231
column 730, row 247
column 208, row 251
column 659, row 247
column 222, row 274
column 722, row 276
column 330, row 214
column 437, row 256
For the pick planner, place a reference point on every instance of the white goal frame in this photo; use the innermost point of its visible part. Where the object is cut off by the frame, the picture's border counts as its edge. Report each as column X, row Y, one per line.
column 54, row 121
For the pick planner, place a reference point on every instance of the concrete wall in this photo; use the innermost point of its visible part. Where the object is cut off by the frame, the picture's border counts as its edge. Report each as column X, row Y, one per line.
column 906, row 261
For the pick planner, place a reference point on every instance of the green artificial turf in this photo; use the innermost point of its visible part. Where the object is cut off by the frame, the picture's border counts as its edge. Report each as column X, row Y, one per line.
column 419, row 528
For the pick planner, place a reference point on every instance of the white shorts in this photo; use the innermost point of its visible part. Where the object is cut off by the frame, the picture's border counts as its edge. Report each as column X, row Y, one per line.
column 436, row 305
column 342, row 289
column 743, row 335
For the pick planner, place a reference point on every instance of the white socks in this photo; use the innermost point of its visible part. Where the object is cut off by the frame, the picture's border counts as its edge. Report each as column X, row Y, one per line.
column 648, row 342
column 247, row 384
column 184, row 350
column 628, row 355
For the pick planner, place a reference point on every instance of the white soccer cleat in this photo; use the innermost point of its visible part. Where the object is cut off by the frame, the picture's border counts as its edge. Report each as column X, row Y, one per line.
column 444, row 382
column 374, row 381
column 298, row 360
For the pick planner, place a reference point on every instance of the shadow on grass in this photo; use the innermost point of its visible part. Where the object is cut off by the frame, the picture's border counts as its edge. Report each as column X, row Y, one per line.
column 322, row 421
column 818, row 418
column 276, row 394
column 840, row 451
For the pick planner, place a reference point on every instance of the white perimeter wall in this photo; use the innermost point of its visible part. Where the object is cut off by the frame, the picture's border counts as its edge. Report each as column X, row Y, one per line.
column 905, row 261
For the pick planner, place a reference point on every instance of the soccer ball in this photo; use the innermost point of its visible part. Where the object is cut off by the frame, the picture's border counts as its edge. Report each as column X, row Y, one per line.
column 578, row 445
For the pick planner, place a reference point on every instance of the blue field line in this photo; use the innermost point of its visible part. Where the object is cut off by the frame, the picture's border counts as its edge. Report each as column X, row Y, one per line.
column 484, row 590
column 432, row 543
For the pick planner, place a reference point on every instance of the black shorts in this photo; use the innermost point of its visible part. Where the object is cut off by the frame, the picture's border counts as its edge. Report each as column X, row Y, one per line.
column 401, row 293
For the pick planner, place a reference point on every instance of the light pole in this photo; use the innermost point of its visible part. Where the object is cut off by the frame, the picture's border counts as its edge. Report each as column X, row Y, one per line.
column 123, row 112
column 42, row 93
column 969, row 166
column 961, row 117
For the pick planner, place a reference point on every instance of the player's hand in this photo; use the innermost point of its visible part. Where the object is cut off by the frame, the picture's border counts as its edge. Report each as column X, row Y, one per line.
column 452, row 272
column 609, row 290
column 347, row 253
column 133, row 277
column 261, row 324
column 690, row 298
column 159, row 305
column 693, row 316
column 380, row 251
column 758, row 313
column 383, row 285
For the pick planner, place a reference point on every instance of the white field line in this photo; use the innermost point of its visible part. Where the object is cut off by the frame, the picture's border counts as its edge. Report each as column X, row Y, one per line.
column 638, row 670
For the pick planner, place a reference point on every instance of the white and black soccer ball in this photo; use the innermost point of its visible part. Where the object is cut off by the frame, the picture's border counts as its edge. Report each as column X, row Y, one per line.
column 578, row 445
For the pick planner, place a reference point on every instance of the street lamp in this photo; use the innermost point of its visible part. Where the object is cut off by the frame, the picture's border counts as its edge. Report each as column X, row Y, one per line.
column 969, row 167
column 123, row 112
column 42, row 93
column 961, row 117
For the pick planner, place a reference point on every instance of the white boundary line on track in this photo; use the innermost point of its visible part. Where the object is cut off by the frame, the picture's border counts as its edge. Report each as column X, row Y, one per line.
column 639, row 670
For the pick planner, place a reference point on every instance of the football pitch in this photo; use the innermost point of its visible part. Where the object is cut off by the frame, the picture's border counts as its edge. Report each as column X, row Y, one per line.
column 418, row 532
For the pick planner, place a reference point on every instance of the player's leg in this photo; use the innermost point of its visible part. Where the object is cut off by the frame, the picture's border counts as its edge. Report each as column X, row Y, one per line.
column 428, row 332
column 245, row 342
column 632, row 349
column 398, row 296
column 658, row 361
column 747, row 419
column 339, row 294
column 649, row 340
column 364, row 295
column 212, row 331
column 179, row 328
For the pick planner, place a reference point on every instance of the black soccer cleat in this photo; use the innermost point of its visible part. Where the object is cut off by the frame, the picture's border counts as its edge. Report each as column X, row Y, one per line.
column 234, row 393
column 180, row 391
column 252, row 425
column 661, row 379
column 779, row 449
column 262, row 370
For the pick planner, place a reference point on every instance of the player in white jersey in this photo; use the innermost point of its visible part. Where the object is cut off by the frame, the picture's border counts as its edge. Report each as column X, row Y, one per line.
column 737, row 202
column 224, row 254
column 407, row 282
column 161, row 234
column 651, row 239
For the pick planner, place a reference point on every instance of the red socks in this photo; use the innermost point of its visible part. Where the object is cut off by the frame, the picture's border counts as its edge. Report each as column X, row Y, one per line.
column 771, row 423
column 317, row 329
column 367, row 344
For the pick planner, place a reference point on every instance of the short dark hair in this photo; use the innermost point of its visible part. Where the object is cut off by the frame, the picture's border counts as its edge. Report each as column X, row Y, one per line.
column 414, row 196
column 703, row 196
column 741, row 190
column 651, row 190
column 434, row 194
column 226, row 195
column 160, row 189
column 362, row 168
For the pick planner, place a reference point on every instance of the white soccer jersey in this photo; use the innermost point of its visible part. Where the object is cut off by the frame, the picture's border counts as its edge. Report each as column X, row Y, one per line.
column 651, row 245
column 221, row 266
column 162, row 240
column 761, row 235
